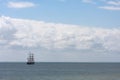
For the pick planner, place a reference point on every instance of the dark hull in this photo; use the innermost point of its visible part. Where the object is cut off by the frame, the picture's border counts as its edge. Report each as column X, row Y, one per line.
column 30, row 63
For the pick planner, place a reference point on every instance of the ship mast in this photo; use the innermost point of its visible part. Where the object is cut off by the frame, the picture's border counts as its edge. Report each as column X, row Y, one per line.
column 32, row 57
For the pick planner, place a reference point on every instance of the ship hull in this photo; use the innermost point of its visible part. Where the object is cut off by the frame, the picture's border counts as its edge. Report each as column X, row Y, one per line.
column 30, row 63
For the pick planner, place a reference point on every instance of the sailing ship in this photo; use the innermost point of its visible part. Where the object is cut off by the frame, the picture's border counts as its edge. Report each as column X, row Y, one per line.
column 30, row 59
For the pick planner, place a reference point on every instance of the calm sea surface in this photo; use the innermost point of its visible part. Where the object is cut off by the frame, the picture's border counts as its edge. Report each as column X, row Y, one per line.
column 60, row 71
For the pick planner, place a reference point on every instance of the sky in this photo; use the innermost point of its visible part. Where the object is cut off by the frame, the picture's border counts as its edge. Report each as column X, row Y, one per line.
column 60, row 30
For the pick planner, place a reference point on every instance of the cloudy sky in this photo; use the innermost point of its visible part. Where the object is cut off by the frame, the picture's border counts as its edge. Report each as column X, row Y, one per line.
column 60, row 30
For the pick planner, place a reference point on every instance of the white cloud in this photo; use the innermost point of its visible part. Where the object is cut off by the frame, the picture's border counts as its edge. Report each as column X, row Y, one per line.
column 35, row 34
column 105, row 4
column 20, row 4
column 117, row 3
column 110, row 7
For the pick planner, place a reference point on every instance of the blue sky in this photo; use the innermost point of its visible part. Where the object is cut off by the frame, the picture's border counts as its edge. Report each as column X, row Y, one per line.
column 81, row 12
column 60, row 30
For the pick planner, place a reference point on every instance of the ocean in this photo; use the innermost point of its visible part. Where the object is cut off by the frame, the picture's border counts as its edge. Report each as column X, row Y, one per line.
column 60, row 71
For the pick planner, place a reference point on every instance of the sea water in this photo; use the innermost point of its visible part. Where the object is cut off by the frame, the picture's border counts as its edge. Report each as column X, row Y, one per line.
column 60, row 71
